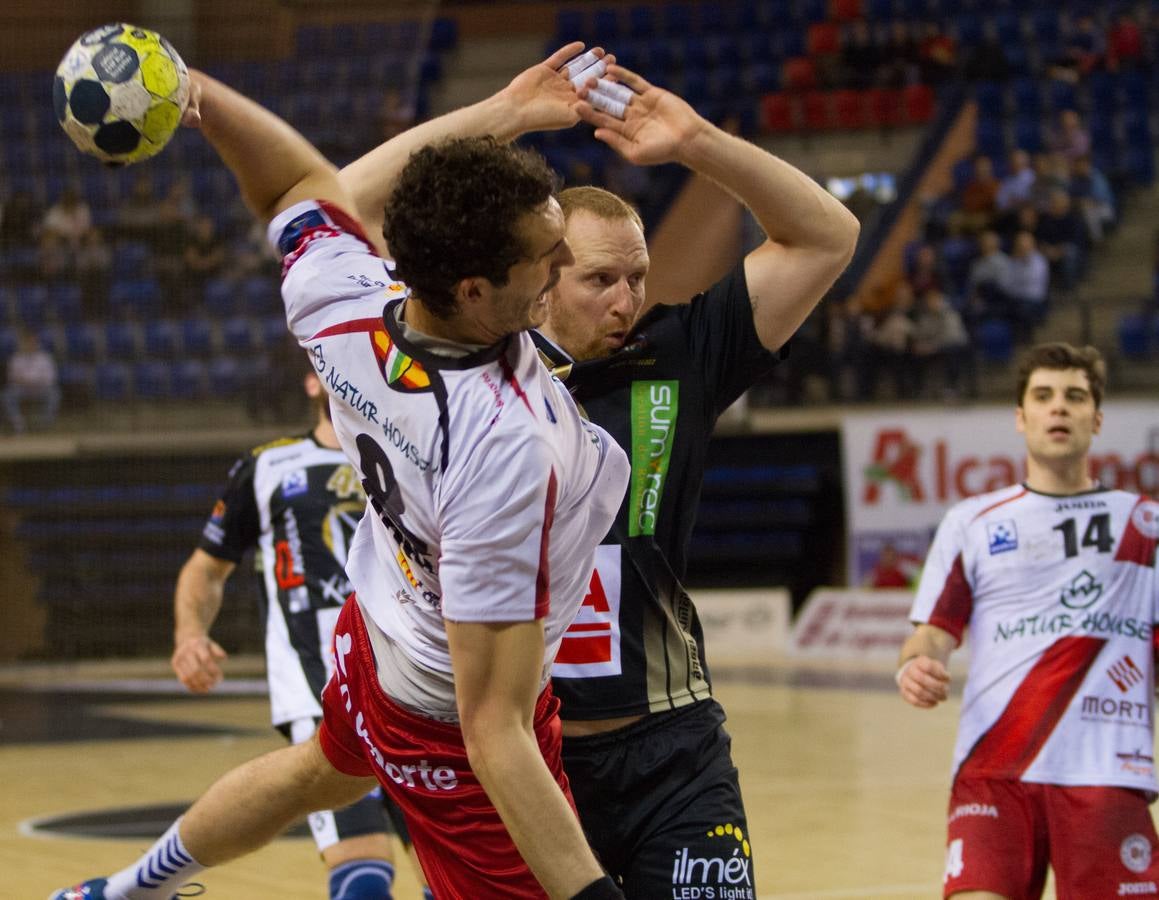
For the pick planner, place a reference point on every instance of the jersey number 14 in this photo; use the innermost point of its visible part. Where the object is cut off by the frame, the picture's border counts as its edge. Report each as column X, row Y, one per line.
column 1097, row 534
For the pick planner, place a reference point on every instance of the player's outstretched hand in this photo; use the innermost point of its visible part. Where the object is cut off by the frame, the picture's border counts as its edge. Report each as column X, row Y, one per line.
column 545, row 96
column 924, row 682
column 655, row 126
column 196, row 661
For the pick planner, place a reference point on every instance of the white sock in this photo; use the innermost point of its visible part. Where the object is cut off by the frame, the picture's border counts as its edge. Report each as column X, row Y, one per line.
column 158, row 874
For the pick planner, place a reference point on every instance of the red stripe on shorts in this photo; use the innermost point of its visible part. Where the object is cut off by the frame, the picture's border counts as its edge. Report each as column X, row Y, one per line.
column 1012, row 743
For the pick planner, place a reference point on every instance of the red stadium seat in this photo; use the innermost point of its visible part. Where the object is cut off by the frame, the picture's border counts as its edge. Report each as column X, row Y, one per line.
column 817, row 111
column 777, row 112
column 849, row 109
column 918, row 100
column 884, row 106
column 845, row 10
column 823, row 39
column 800, row 74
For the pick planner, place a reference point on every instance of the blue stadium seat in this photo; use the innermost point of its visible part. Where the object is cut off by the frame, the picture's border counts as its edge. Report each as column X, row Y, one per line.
column 8, row 341
column 677, row 18
column 1103, row 90
column 1139, row 164
column 1045, row 25
column 1028, row 134
column 141, row 295
column 122, row 340
column 1062, row 95
column 32, row 304
column 641, row 21
column 694, row 52
column 161, row 338
column 189, row 379
column 1027, row 95
column 151, row 380
column 570, row 26
column 812, row 11
column 220, row 297
column 237, row 335
column 65, row 299
column 260, row 295
column 111, row 381
column 444, row 34
column 989, row 97
column 990, row 138
column 224, row 376
column 51, row 340
column 82, row 340
column 605, row 25
column 76, row 377
column 196, row 337
column 1008, row 27
column 131, row 259
column 791, row 41
column 1133, row 338
column 711, row 18
column 995, row 341
column 273, row 330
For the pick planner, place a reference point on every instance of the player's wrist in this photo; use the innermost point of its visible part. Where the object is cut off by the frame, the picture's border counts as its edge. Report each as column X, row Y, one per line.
column 900, row 673
column 601, row 889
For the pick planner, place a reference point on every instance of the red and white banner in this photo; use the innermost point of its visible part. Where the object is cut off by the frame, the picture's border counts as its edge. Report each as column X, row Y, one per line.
column 853, row 624
column 904, row 468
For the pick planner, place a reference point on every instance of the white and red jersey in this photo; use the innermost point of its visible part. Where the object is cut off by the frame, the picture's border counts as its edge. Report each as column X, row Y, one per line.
column 487, row 491
column 1060, row 596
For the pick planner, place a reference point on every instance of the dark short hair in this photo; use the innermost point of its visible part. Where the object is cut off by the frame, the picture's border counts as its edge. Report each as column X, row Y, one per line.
column 1058, row 356
column 455, row 212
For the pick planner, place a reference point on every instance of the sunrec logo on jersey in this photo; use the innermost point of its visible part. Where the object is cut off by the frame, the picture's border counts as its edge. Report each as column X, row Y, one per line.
column 654, row 407
column 1002, row 536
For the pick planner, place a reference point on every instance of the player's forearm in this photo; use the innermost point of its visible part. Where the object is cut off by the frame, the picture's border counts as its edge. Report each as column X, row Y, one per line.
column 928, row 640
column 790, row 206
column 269, row 159
column 197, row 601
column 537, row 815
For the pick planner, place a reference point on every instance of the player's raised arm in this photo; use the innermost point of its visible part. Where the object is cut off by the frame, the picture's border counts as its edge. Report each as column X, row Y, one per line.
column 811, row 235
column 274, row 165
column 541, row 98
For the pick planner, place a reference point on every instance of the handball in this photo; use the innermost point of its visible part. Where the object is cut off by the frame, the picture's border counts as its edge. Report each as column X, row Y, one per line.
column 119, row 93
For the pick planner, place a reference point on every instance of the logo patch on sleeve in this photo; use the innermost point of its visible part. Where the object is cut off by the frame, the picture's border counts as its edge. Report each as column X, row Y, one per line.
column 1002, row 536
column 297, row 227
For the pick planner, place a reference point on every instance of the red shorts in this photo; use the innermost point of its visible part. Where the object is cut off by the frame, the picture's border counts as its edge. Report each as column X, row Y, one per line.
column 460, row 840
column 1100, row 841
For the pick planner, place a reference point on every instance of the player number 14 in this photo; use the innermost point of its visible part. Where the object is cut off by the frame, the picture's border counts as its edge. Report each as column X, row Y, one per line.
column 1097, row 534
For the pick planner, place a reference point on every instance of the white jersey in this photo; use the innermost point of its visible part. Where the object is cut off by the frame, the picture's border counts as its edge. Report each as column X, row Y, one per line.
column 1060, row 596
column 488, row 492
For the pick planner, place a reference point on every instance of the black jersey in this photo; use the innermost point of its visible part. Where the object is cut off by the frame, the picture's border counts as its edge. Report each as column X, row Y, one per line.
column 637, row 645
column 299, row 503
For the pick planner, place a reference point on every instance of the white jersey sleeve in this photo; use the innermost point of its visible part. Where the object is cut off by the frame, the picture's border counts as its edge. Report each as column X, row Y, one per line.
column 330, row 272
column 496, row 515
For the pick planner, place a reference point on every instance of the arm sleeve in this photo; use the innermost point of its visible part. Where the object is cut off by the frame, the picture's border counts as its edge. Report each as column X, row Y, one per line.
column 723, row 340
column 496, row 515
column 944, row 596
column 330, row 272
column 235, row 524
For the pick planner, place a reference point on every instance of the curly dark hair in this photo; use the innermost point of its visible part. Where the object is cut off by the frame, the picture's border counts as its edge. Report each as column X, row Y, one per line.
column 455, row 211
column 1059, row 356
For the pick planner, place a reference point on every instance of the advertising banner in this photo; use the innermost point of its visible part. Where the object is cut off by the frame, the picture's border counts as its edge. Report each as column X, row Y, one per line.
column 904, row 468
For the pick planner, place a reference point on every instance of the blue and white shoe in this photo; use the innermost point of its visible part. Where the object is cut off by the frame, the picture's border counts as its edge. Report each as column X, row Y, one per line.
column 93, row 889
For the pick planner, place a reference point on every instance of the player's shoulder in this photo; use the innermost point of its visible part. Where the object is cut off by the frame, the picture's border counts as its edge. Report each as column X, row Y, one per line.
column 982, row 505
column 277, row 444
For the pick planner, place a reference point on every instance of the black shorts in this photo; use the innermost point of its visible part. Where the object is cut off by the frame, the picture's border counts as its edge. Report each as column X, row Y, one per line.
column 661, row 805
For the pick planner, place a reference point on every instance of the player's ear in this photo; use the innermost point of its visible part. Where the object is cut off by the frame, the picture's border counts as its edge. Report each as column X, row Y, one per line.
column 470, row 291
column 1098, row 422
column 312, row 385
column 1020, row 419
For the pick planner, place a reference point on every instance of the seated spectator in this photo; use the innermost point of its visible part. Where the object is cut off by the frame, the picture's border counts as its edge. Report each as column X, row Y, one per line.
column 893, row 570
column 938, row 54
column 69, row 218
column 1026, row 287
column 1092, row 195
column 54, row 257
column 1051, row 174
column 1082, row 53
column 140, row 215
column 860, row 57
column 31, row 377
column 850, row 327
column 987, row 273
column 927, row 273
column 1124, row 43
column 941, row 344
column 1061, row 238
column 396, row 114
column 19, row 220
column 977, row 201
column 94, row 263
column 1069, row 137
column 203, row 256
column 1014, row 189
column 900, row 60
column 889, row 346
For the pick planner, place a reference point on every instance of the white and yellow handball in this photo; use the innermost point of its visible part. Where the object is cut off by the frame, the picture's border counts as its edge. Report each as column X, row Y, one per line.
column 119, row 93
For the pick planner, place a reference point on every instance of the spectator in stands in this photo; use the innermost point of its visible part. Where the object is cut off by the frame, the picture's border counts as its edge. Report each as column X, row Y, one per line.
column 1015, row 188
column 977, row 201
column 140, row 215
column 1083, row 52
column 1026, row 286
column 1069, row 136
column 178, row 207
column 69, row 218
column 1061, row 237
column 1093, row 197
column 1124, row 43
column 890, row 344
column 19, row 220
column 1051, row 173
column 901, row 60
column 893, row 569
column 927, row 273
column 987, row 274
column 54, row 257
column 32, row 378
column 850, row 327
column 938, row 54
column 94, row 264
column 988, row 61
column 396, row 113
column 941, row 345
column 203, row 257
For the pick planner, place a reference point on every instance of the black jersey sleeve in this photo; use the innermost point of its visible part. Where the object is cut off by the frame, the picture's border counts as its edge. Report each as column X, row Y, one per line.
column 234, row 524
column 723, row 341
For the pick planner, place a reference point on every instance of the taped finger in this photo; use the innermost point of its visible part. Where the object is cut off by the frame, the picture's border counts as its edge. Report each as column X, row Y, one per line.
column 615, row 91
column 593, row 71
column 607, row 104
column 573, row 67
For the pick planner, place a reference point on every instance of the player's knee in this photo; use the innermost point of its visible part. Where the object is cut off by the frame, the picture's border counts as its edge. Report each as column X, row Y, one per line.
column 362, row 879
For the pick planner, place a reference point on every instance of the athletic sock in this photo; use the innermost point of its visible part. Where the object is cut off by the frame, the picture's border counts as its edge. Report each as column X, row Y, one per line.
column 362, row 879
column 157, row 875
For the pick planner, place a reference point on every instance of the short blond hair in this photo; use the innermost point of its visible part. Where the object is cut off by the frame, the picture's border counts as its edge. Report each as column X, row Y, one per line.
column 600, row 203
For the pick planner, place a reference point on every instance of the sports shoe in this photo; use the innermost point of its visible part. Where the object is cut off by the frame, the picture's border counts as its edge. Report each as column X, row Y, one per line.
column 93, row 889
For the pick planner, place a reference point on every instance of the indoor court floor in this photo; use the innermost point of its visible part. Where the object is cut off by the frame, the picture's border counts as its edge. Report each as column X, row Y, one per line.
column 845, row 786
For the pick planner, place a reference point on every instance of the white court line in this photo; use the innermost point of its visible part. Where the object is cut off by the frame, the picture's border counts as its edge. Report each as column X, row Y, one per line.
column 246, row 686
column 886, row 890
